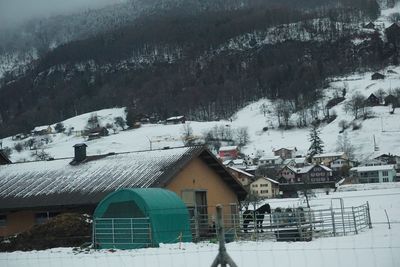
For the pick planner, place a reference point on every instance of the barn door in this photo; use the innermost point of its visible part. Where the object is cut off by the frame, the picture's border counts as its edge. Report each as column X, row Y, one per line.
column 201, row 212
column 196, row 201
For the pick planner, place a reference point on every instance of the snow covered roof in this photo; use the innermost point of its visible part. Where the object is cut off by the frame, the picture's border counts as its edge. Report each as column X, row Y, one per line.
column 326, row 155
column 286, row 148
column 241, row 171
column 238, row 161
column 296, row 160
column 227, row 148
column 41, row 128
column 175, row 118
column 271, row 180
column 270, row 158
column 306, row 169
column 57, row 182
column 268, row 179
column 373, row 168
column 295, row 170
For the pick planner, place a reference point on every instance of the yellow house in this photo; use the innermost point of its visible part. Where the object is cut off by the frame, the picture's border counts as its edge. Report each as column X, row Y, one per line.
column 33, row 192
column 265, row 187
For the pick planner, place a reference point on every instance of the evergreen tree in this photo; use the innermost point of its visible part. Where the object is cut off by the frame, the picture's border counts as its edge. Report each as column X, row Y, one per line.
column 317, row 146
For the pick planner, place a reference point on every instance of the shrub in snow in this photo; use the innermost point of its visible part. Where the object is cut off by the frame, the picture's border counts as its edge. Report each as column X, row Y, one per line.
column 19, row 147
column 59, row 128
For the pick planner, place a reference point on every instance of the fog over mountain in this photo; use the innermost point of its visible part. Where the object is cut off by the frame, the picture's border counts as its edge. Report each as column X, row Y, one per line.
column 16, row 11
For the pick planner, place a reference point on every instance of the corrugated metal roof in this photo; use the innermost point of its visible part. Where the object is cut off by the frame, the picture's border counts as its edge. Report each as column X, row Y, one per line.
column 48, row 183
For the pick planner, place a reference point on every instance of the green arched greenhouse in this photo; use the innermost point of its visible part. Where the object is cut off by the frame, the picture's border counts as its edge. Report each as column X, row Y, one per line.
column 140, row 217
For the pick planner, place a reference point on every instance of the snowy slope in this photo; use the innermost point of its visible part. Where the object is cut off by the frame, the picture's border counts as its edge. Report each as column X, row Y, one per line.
column 384, row 127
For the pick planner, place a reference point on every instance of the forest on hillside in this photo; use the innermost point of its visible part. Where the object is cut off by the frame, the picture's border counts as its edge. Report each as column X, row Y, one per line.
column 205, row 65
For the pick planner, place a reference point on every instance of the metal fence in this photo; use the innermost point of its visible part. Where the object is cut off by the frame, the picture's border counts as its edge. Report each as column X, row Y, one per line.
column 288, row 224
column 122, row 232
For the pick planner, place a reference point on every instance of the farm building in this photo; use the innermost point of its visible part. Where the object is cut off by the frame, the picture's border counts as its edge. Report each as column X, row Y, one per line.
column 377, row 76
column 141, row 217
column 33, row 192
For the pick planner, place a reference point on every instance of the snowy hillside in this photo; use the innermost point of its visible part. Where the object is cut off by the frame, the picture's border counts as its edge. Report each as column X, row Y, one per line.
column 385, row 127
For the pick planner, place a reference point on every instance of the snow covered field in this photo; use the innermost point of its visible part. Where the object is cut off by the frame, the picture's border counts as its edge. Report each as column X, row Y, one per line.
column 376, row 247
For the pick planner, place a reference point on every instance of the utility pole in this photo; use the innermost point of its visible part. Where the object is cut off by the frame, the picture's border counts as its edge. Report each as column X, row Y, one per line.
column 222, row 258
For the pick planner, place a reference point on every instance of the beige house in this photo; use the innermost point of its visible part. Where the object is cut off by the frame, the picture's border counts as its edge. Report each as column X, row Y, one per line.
column 243, row 177
column 327, row 158
column 44, row 189
column 285, row 152
column 265, row 187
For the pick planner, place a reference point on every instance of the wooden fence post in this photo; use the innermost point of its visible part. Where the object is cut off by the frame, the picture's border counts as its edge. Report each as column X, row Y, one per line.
column 222, row 258
column 333, row 221
column 369, row 216
column 387, row 217
column 355, row 222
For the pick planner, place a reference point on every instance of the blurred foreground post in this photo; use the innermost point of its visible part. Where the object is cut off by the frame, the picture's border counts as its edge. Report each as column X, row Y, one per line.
column 222, row 258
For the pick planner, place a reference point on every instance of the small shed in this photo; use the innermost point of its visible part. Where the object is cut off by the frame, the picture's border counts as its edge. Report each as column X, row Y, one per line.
column 140, row 217
column 372, row 100
column 377, row 76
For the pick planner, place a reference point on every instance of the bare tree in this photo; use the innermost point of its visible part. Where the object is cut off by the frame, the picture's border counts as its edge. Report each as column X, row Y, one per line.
column 187, row 135
column 343, row 124
column 380, row 93
column 355, row 104
column 242, row 136
column 119, row 121
column 264, row 109
column 343, row 144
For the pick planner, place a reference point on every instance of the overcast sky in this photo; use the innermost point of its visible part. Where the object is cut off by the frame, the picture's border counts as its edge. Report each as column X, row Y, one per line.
column 13, row 11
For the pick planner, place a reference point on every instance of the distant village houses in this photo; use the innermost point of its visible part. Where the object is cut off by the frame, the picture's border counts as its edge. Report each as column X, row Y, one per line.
column 228, row 152
column 286, row 153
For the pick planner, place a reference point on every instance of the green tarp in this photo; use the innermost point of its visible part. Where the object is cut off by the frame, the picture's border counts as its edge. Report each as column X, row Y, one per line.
column 140, row 217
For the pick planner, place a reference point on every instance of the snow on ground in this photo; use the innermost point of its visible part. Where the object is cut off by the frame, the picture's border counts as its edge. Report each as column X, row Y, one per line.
column 384, row 127
column 374, row 247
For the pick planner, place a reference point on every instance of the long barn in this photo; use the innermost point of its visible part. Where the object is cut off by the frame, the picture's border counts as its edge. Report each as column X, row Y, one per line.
column 33, row 192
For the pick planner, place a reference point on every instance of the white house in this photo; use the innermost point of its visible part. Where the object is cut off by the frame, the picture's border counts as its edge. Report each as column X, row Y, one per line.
column 374, row 174
column 338, row 164
column 270, row 161
column 265, row 187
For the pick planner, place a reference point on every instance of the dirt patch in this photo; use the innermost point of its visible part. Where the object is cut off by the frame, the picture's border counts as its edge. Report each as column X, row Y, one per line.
column 64, row 230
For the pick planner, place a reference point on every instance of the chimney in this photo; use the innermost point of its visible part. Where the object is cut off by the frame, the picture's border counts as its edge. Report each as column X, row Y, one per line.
column 80, row 152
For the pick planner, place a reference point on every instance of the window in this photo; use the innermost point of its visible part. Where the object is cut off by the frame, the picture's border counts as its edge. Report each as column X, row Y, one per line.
column 385, row 173
column 385, row 179
column 3, row 220
column 264, row 191
column 254, row 185
column 263, row 185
